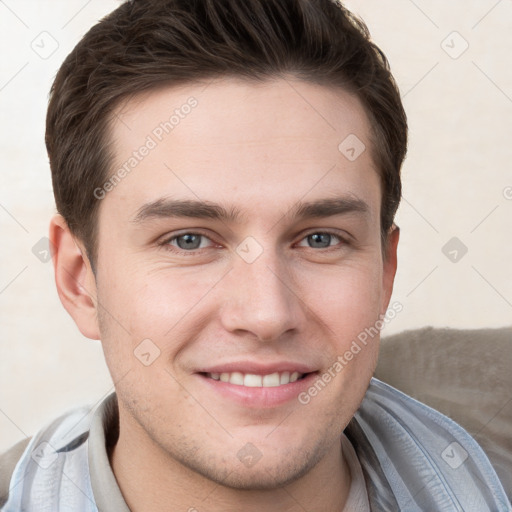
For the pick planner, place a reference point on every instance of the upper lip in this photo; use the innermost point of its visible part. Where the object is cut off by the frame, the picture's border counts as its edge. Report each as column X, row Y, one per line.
column 258, row 368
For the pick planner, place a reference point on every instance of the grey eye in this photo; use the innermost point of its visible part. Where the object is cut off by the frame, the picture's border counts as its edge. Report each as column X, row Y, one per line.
column 188, row 241
column 319, row 240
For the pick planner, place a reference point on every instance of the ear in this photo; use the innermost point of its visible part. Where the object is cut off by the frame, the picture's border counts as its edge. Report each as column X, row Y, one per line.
column 76, row 284
column 389, row 266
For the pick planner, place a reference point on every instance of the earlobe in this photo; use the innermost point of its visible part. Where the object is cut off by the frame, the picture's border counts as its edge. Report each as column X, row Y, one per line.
column 74, row 278
column 390, row 266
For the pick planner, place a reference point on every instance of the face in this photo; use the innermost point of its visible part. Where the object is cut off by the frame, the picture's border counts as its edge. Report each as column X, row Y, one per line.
column 239, row 256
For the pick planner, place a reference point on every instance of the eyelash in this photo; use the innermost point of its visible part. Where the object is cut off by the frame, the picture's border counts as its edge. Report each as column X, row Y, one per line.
column 166, row 244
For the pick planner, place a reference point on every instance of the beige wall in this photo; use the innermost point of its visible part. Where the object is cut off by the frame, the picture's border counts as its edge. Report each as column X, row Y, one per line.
column 457, row 183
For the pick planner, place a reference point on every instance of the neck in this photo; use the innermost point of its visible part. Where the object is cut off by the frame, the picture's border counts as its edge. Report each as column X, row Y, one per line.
column 151, row 479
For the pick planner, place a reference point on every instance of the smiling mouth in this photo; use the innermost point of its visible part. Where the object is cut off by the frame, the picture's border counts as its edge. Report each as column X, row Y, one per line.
column 251, row 380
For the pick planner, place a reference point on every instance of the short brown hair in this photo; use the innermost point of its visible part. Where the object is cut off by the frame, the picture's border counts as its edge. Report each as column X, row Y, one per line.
column 147, row 43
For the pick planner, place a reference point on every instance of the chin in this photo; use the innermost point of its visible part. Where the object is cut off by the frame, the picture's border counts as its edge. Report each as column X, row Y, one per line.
column 267, row 473
column 265, row 478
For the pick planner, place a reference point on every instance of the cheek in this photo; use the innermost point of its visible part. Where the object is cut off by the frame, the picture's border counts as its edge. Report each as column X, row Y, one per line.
column 347, row 299
column 171, row 306
column 160, row 305
column 349, row 307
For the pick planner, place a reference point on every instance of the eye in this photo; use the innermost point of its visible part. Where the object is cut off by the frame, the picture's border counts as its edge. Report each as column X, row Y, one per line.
column 321, row 240
column 188, row 241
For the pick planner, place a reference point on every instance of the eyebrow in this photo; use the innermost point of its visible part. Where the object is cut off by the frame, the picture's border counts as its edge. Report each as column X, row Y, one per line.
column 169, row 208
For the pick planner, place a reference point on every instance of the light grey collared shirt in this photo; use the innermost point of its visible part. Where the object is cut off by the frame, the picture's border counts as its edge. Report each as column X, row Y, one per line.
column 412, row 458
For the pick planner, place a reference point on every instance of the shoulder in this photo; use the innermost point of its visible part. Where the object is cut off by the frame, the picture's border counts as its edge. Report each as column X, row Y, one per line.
column 8, row 461
column 33, row 456
column 416, row 447
column 463, row 373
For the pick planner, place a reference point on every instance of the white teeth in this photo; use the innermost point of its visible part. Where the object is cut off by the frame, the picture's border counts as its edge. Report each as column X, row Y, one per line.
column 285, row 378
column 271, row 381
column 253, row 381
column 237, row 378
column 257, row 381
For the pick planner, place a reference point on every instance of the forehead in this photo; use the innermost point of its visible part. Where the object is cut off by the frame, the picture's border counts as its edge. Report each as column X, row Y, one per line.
column 230, row 139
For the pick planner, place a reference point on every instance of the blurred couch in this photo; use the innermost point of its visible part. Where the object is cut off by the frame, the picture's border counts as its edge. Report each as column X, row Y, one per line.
column 465, row 374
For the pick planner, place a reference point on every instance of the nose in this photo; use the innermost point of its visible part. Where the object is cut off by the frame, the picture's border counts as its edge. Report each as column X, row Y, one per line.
column 260, row 298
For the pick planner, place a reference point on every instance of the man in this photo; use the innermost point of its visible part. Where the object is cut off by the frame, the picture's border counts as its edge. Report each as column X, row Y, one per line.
column 226, row 174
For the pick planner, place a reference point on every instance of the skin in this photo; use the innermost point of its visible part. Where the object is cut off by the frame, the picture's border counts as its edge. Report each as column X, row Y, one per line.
column 262, row 149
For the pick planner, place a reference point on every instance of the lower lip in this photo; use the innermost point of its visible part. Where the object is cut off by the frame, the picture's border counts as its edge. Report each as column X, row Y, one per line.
column 260, row 397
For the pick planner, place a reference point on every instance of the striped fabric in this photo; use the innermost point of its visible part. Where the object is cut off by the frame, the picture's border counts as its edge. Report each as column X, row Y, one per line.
column 413, row 459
